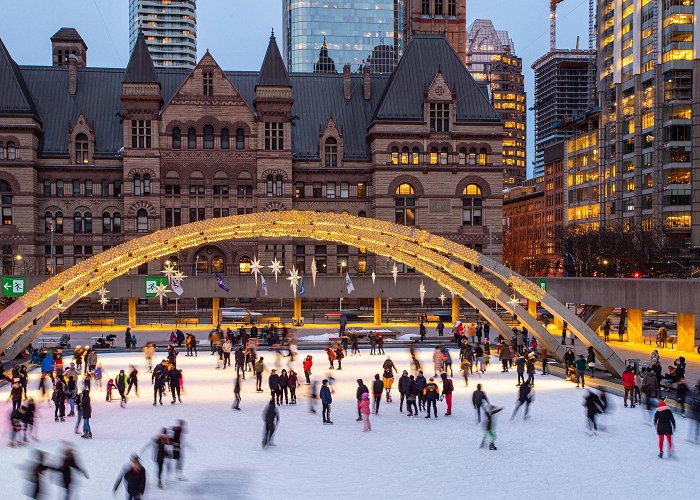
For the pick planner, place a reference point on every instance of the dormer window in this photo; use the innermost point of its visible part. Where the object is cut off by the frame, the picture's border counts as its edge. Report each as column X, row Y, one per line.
column 331, row 152
column 439, row 117
column 208, row 83
column 81, row 149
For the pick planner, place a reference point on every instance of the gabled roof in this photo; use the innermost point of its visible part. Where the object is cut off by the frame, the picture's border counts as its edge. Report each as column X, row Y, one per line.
column 140, row 68
column 405, row 93
column 273, row 73
column 15, row 97
column 67, row 35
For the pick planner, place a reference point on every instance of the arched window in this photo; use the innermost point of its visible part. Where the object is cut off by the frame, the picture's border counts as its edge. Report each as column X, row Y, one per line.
column 331, row 152
column 177, row 138
column 483, row 156
column 87, row 222
column 201, row 264
column 279, row 186
column 146, row 184
column 11, row 151
column 395, row 155
column 462, row 156
column 58, row 223
column 472, row 206
column 77, row 222
column 6, row 199
column 415, row 156
column 225, row 139
column 81, row 149
column 191, row 138
column 444, row 156
column 405, row 205
column 48, row 222
column 117, row 223
column 404, row 155
column 472, row 156
column 269, row 185
column 137, row 185
column 106, row 223
column 208, row 137
column 433, row 156
column 362, row 213
column 141, row 221
column 240, row 139
column 244, row 265
column 217, row 264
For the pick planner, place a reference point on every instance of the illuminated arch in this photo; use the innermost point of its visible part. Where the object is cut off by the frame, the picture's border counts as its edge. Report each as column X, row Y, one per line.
column 438, row 258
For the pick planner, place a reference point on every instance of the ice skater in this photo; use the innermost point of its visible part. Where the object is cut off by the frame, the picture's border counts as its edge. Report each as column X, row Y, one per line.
column 403, row 390
column 361, row 389
column 411, row 396
column 490, row 426
column 134, row 477
column 326, row 400
column 525, row 397
column 388, row 377
column 479, row 398
column 158, row 377
column 160, row 452
column 377, row 387
column 236, row 394
column 66, row 467
column 363, row 409
column 665, row 425
column 133, row 380
column 271, row 417
column 36, row 472
column 313, row 396
column 293, row 384
column 177, row 441
column 594, row 407
column 432, row 393
column 447, row 388
column 121, row 387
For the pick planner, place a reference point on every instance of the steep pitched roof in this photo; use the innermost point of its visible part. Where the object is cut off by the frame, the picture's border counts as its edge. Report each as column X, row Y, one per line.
column 426, row 55
column 67, row 35
column 273, row 73
column 140, row 68
column 14, row 94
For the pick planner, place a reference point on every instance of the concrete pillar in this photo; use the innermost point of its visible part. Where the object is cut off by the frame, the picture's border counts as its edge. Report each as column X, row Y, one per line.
column 455, row 309
column 634, row 325
column 532, row 308
column 558, row 322
column 132, row 311
column 377, row 311
column 296, row 317
column 686, row 331
column 215, row 311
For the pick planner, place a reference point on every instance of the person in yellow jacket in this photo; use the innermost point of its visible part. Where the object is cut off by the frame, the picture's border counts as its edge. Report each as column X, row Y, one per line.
column 389, row 369
column 432, row 393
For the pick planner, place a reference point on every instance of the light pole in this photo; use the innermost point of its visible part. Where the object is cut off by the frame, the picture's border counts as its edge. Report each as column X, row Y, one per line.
column 196, row 270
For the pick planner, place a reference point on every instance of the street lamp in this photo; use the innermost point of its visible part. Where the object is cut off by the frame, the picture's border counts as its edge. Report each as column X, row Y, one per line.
column 18, row 260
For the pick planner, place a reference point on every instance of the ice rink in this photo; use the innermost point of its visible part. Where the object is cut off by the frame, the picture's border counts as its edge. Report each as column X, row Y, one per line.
column 548, row 456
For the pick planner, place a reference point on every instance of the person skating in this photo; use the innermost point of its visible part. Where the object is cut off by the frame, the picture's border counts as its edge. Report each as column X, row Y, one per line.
column 284, row 387
column 447, row 361
column 59, row 400
column 361, row 389
column 478, row 399
column 380, row 343
column 403, row 389
column 354, row 344
column 313, row 396
column 682, row 391
column 594, row 407
column 174, row 378
column 411, row 396
column 148, row 352
column 520, row 369
column 226, row 349
column 236, row 394
column 421, row 382
column 377, row 387
column 36, row 471
column 259, row 368
column 293, row 384
column 590, row 359
column 530, row 369
column 133, row 380
column 447, row 388
column 273, row 383
column 363, row 410
column 86, row 406
column 306, row 365
column 388, row 377
column 665, row 425
column 490, row 426
column 239, row 359
column 432, row 392
column 66, row 467
column 326, row 400
column 525, row 397
column 580, row 365
column 330, row 352
column 437, row 360
column 629, row 384
column 504, row 356
column 134, row 477
column 479, row 356
column 177, row 437
column 120, row 382
column 158, row 376
column 160, row 452
column 271, row 418
column 339, row 355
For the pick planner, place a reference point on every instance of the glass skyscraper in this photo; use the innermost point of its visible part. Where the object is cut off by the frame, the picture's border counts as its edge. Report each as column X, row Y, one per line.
column 354, row 31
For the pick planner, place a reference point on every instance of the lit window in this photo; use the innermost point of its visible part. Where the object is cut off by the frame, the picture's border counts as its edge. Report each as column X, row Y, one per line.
column 472, row 206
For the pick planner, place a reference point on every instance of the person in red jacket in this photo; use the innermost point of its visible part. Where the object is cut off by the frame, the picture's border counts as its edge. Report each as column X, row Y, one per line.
column 447, row 388
column 306, row 365
column 628, row 382
column 665, row 425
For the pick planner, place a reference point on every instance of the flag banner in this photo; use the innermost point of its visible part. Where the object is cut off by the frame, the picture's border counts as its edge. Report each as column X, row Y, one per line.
column 263, row 283
column 301, row 288
column 176, row 286
column 348, row 283
column 222, row 284
column 314, row 270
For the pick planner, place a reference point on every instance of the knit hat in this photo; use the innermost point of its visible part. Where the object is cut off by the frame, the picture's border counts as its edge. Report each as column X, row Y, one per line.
column 365, row 395
column 662, row 404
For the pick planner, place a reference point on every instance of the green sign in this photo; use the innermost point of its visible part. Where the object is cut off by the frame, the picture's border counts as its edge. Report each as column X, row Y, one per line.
column 152, row 283
column 542, row 283
column 13, row 286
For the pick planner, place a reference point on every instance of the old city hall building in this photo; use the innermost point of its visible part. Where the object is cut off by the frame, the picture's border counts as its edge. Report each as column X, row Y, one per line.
column 91, row 157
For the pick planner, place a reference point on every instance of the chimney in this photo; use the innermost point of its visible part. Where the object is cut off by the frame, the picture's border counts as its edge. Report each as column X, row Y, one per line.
column 367, row 81
column 72, row 74
column 347, row 84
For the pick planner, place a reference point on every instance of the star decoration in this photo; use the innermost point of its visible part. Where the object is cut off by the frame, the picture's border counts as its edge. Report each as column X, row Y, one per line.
column 421, row 291
column 276, row 268
column 102, row 292
column 374, row 277
column 179, row 275
column 60, row 307
column 314, row 270
column 255, row 268
column 294, row 279
column 104, row 301
column 395, row 272
column 442, row 298
column 161, row 292
column 169, row 270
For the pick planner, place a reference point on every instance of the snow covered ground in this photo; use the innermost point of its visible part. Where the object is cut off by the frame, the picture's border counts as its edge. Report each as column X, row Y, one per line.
column 549, row 455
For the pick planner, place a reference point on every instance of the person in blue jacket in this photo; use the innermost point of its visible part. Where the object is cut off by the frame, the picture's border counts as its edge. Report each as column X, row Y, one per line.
column 47, row 366
column 326, row 400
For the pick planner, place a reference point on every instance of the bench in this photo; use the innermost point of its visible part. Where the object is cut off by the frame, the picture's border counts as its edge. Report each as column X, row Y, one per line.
column 186, row 321
column 266, row 320
column 101, row 322
column 651, row 339
column 49, row 342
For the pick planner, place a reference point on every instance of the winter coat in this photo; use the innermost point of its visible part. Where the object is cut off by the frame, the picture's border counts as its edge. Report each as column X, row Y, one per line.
column 389, row 365
column 92, row 358
column 431, row 391
column 284, row 381
column 403, row 384
column 85, row 404
column 293, row 380
column 363, row 405
column 377, row 387
column 412, row 390
column 421, row 382
column 120, row 381
column 504, row 353
column 593, row 405
column 158, row 376
column 227, row 347
column 47, row 364
column 239, row 357
column 175, row 376
column 326, row 397
column 307, row 364
column 524, row 393
column 361, row 389
column 663, row 420
column 628, row 378
column 135, row 481
column 520, row 365
column 447, row 386
column 274, row 382
column 580, row 364
column 478, row 398
column 259, row 367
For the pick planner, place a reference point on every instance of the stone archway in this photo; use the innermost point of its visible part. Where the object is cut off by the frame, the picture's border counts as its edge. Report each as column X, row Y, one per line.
column 437, row 258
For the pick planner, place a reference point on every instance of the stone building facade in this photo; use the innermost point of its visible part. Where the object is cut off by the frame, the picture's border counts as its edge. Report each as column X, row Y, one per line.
column 92, row 157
